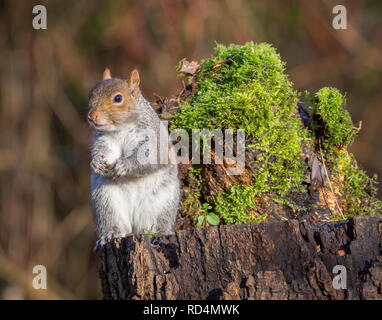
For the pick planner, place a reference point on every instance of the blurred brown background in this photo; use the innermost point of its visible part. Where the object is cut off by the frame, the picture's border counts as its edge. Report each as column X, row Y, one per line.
column 45, row 216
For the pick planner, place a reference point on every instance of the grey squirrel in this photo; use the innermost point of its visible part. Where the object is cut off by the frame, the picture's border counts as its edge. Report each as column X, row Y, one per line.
column 128, row 193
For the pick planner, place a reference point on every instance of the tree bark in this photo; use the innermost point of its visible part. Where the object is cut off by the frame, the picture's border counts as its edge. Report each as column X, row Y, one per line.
column 274, row 260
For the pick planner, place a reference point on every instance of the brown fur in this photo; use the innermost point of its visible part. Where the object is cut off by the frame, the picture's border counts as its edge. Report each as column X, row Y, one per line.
column 102, row 110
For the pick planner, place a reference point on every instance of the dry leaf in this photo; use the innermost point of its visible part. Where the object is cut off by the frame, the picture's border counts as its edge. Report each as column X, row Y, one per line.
column 317, row 175
column 221, row 62
column 189, row 67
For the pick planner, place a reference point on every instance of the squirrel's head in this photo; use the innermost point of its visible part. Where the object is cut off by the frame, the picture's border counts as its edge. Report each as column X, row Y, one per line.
column 112, row 101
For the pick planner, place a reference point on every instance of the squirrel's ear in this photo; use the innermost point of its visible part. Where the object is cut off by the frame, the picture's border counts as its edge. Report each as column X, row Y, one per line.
column 134, row 81
column 106, row 74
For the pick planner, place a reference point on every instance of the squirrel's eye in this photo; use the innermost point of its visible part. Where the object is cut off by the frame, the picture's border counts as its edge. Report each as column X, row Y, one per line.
column 118, row 98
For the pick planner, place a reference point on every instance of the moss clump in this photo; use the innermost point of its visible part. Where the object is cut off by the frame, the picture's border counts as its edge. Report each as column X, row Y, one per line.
column 191, row 203
column 251, row 92
column 357, row 188
column 245, row 87
column 331, row 121
column 238, row 206
column 334, row 131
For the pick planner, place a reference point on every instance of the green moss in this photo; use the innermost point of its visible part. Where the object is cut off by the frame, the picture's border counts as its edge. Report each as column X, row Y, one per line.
column 357, row 188
column 238, row 206
column 251, row 91
column 331, row 121
column 192, row 204
column 289, row 203
column 333, row 126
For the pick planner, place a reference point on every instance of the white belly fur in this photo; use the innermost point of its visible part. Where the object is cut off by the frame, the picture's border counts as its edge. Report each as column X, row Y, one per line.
column 133, row 204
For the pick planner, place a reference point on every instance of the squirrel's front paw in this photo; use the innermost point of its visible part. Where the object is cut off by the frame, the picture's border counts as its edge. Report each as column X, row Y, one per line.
column 100, row 166
column 119, row 169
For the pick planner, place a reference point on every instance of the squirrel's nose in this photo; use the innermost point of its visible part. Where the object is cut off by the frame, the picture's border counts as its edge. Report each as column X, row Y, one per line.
column 93, row 116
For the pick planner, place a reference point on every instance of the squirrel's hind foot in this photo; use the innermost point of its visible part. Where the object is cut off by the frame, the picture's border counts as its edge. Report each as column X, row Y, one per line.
column 105, row 239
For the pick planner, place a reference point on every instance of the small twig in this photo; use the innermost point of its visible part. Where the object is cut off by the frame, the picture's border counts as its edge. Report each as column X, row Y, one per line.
column 359, row 126
column 330, row 184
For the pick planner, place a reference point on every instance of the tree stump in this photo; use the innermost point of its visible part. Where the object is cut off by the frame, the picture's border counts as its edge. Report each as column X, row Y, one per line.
column 298, row 177
column 273, row 260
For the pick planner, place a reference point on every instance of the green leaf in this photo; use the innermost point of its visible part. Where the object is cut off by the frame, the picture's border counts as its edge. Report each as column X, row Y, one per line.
column 200, row 221
column 213, row 219
column 206, row 206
